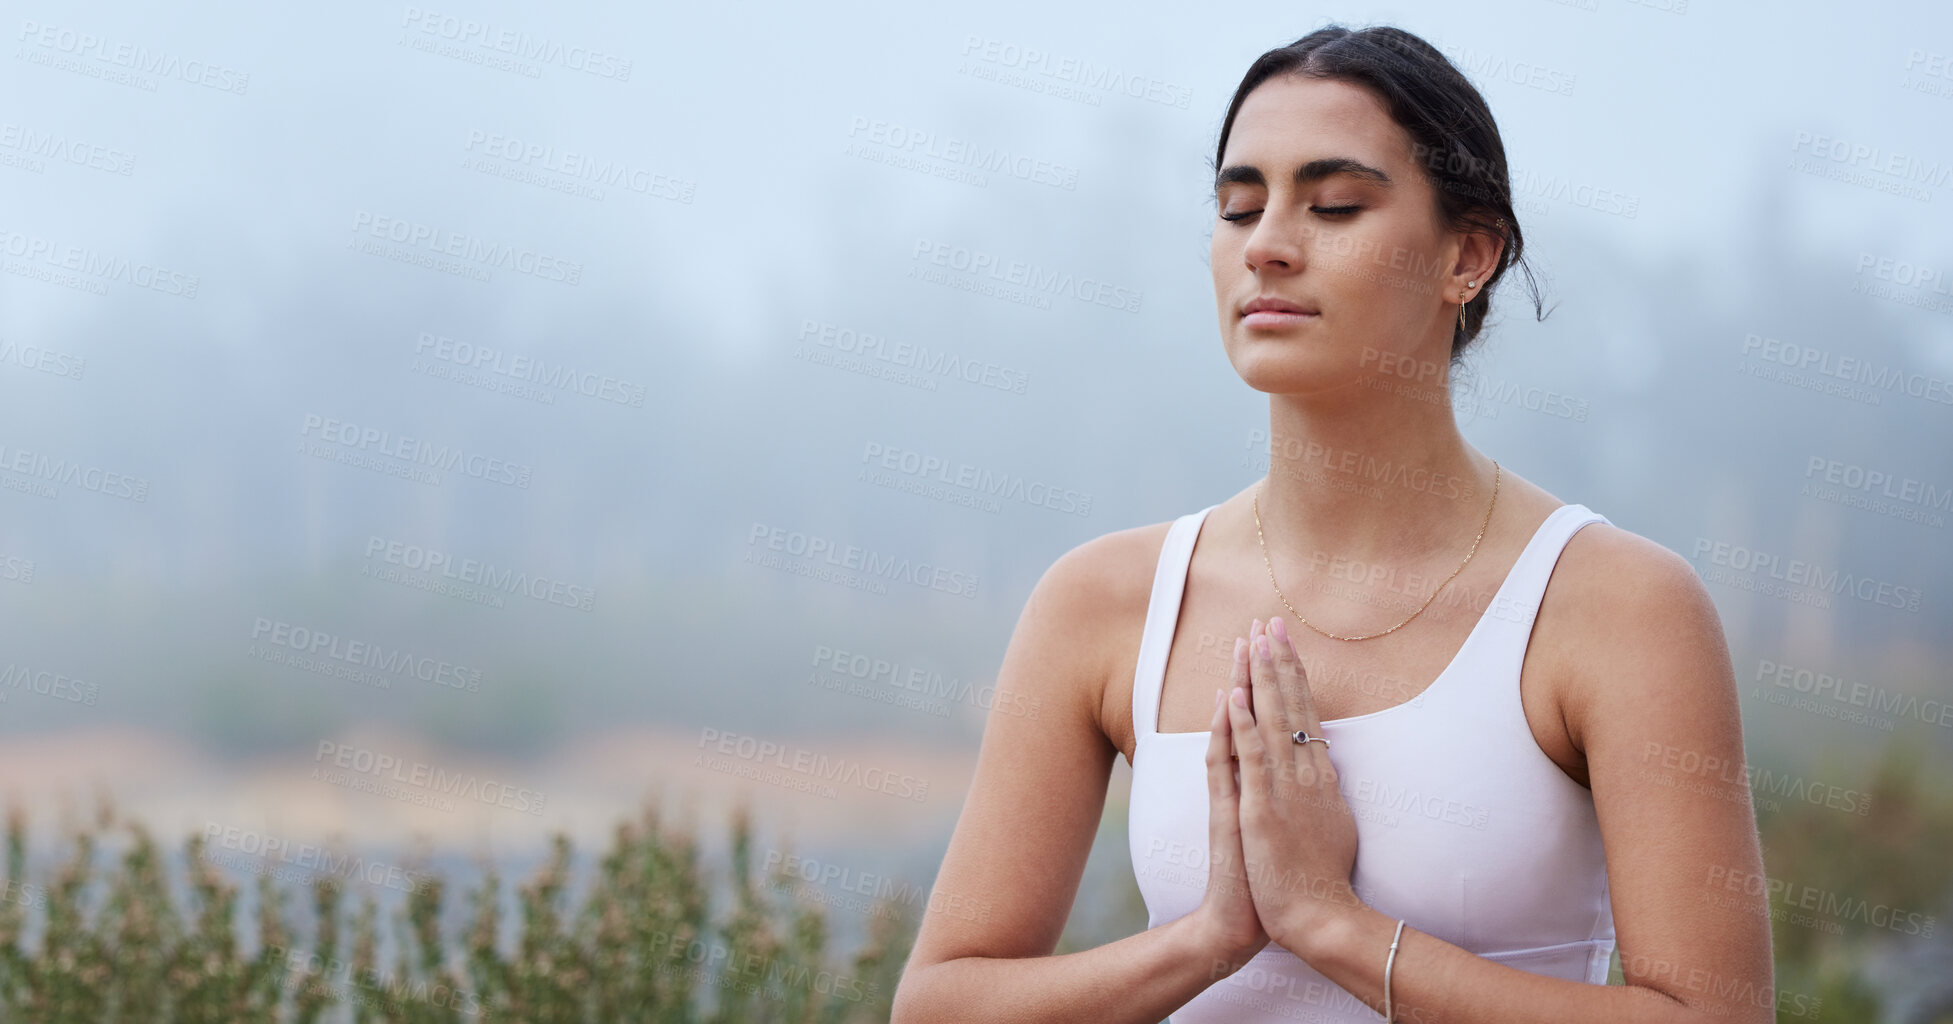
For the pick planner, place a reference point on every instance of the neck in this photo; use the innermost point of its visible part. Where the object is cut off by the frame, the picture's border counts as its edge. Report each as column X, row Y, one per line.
column 1370, row 475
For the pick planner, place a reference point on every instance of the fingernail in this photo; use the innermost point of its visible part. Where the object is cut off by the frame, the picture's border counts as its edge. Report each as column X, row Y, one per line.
column 1279, row 628
column 1261, row 646
column 1217, row 699
column 1240, row 697
column 1240, row 647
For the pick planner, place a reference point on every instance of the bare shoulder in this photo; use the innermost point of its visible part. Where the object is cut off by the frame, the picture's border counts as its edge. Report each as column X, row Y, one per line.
column 1096, row 594
column 1603, row 555
column 1110, row 566
column 1630, row 620
column 1627, row 588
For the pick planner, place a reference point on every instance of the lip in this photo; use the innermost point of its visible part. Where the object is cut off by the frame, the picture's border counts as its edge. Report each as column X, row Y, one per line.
column 1276, row 318
column 1276, row 304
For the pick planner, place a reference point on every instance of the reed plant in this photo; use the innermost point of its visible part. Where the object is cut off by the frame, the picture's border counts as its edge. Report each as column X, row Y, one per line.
column 102, row 941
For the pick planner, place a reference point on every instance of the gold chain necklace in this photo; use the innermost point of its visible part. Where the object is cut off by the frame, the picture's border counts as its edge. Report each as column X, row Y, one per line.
column 1413, row 615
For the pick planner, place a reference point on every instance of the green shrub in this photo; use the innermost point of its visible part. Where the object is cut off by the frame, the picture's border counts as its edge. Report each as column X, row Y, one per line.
column 644, row 946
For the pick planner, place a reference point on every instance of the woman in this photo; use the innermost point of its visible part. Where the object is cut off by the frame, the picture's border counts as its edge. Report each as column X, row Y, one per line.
column 1532, row 712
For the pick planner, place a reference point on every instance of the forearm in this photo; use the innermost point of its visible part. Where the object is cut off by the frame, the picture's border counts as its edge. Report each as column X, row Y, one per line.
column 1435, row 982
column 1139, row 979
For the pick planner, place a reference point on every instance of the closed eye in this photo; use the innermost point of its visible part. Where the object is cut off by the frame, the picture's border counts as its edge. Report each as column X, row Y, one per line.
column 1324, row 211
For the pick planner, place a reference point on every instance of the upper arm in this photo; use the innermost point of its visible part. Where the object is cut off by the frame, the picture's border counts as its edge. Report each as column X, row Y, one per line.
column 1655, row 709
column 1020, row 844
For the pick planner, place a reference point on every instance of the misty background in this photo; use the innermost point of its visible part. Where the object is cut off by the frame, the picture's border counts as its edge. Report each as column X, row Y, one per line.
column 705, row 205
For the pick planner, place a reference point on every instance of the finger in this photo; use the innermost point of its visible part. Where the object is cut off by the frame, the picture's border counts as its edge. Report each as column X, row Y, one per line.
column 1253, row 751
column 1304, row 764
column 1237, row 676
column 1285, row 762
column 1223, row 796
column 1288, row 763
column 1223, row 778
column 1221, row 788
column 1301, row 701
column 1271, row 707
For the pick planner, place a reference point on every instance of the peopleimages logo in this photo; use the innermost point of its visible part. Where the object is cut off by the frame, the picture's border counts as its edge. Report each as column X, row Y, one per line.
column 1763, row 782
column 579, row 167
column 466, row 785
column 1860, row 155
column 435, row 562
column 469, row 248
column 1832, row 904
column 876, row 348
column 92, row 266
column 1076, row 70
column 533, row 370
column 841, row 877
column 956, row 151
column 1877, row 490
column 1877, row 377
column 883, row 674
column 1038, row 281
column 412, row 450
column 1771, row 568
column 1904, row 282
column 136, row 60
column 45, row 470
column 311, row 857
column 982, row 481
column 43, row 359
column 1854, row 693
column 47, row 683
column 400, row 662
column 15, row 569
column 804, row 764
column 35, row 146
column 852, row 560
column 517, row 43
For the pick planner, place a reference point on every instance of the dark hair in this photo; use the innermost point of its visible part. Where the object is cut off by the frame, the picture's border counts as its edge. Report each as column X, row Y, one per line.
column 1453, row 137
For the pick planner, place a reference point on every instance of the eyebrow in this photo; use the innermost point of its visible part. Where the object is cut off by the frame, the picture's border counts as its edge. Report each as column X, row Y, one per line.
column 1314, row 170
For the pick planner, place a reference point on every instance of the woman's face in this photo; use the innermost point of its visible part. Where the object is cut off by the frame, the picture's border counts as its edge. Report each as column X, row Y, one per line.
column 1356, row 244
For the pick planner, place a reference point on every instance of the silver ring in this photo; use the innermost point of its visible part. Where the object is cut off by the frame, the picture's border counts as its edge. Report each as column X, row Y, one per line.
column 1301, row 736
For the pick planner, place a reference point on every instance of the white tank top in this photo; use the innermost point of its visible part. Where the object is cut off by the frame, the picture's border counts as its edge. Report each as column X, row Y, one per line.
column 1465, row 828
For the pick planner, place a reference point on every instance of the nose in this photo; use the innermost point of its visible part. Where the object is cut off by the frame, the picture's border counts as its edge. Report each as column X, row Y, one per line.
column 1275, row 244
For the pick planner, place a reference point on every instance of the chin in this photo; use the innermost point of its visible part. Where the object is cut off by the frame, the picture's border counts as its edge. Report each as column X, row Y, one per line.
column 1278, row 363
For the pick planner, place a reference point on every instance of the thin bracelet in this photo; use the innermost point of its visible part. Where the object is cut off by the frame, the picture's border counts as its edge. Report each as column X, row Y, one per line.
column 1387, row 964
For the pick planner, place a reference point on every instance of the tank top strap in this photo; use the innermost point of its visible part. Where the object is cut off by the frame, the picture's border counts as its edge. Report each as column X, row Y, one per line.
column 1496, row 648
column 1519, row 597
column 1480, row 693
column 1162, row 618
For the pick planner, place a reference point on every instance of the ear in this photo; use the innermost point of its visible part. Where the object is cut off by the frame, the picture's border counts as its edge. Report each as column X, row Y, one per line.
column 1478, row 255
